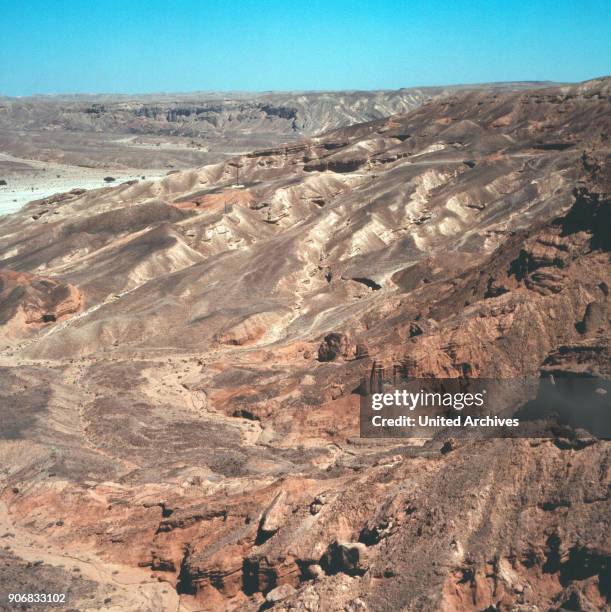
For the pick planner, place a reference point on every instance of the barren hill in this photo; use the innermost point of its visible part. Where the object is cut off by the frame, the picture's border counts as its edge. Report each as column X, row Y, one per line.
column 185, row 130
column 185, row 356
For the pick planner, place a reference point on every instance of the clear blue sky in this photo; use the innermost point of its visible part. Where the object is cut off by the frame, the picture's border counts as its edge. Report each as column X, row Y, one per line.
column 61, row 46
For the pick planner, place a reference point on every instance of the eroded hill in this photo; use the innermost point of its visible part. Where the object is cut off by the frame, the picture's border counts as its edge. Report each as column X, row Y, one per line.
column 185, row 130
column 192, row 418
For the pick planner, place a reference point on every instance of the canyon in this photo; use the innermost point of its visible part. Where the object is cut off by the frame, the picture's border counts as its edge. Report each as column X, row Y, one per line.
column 180, row 358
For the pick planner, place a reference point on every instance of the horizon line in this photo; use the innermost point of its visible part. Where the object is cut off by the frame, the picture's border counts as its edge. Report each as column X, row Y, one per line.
column 301, row 91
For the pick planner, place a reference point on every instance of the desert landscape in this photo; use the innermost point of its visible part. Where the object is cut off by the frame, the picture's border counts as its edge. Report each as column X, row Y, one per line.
column 53, row 144
column 181, row 348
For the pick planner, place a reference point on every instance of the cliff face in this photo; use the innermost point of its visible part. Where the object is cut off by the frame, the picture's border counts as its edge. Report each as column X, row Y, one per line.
column 198, row 114
column 201, row 410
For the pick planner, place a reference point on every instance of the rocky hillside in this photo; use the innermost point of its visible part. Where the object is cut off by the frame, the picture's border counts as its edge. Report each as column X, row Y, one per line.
column 185, row 130
column 191, row 421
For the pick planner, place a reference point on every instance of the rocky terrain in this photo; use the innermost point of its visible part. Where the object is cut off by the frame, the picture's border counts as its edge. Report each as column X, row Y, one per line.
column 186, row 130
column 53, row 144
column 181, row 359
column 182, row 130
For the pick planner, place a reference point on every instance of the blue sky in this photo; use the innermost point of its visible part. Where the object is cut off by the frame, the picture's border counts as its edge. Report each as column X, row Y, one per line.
column 65, row 46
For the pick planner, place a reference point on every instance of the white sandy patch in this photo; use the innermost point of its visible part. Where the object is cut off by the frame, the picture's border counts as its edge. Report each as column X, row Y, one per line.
column 438, row 146
column 457, row 204
column 449, row 226
column 29, row 180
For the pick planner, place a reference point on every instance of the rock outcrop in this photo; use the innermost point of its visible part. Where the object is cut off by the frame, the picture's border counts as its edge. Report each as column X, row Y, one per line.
column 28, row 302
